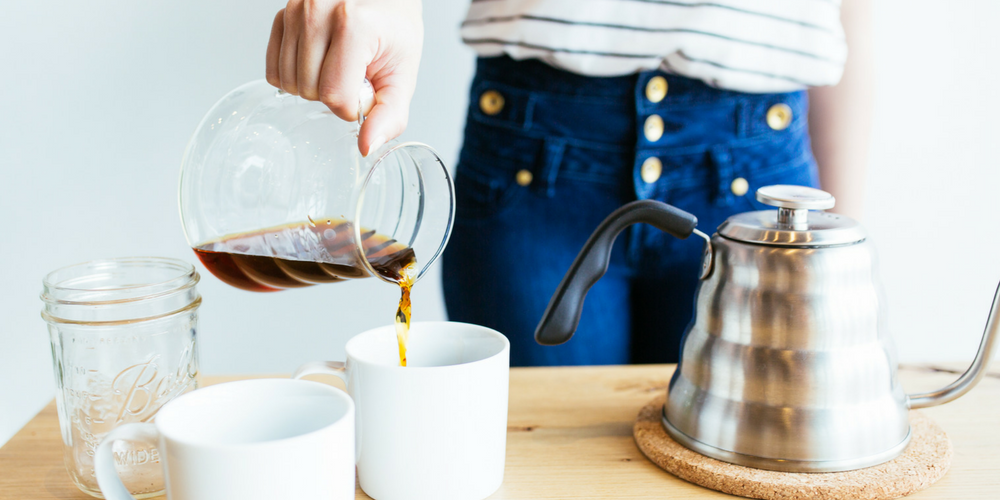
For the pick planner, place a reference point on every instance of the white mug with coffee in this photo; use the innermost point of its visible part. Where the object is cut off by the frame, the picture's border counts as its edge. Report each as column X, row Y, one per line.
column 253, row 440
column 437, row 428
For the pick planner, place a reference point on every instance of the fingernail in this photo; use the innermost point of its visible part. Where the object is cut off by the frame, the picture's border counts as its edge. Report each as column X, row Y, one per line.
column 376, row 144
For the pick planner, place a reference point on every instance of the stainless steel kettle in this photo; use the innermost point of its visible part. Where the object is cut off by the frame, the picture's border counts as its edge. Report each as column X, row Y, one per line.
column 788, row 364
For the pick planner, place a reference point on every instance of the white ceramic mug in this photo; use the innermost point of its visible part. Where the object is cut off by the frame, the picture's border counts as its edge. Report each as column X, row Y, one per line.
column 437, row 428
column 253, row 440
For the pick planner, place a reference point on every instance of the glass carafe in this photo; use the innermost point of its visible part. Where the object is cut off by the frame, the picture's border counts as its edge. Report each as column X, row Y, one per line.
column 274, row 194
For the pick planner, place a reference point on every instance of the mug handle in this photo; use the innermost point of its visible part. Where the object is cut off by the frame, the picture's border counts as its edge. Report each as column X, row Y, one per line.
column 104, row 460
column 337, row 369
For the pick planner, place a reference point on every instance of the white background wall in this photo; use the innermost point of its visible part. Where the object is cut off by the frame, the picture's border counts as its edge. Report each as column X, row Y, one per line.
column 99, row 98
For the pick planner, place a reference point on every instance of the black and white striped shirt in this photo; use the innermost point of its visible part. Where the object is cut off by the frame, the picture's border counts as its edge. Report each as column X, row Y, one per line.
column 744, row 45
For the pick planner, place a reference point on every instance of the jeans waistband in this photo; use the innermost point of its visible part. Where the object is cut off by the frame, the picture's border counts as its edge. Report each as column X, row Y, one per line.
column 610, row 112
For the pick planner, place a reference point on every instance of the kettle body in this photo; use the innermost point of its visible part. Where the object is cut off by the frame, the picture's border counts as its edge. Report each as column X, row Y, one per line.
column 788, row 363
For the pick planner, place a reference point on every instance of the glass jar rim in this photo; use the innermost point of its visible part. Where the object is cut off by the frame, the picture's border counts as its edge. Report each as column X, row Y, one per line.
column 53, row 286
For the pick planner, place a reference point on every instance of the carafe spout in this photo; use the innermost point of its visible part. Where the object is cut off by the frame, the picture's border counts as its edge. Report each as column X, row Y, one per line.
column 976, row 371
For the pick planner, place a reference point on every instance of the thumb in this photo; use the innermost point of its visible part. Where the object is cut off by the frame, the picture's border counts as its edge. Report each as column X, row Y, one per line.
column 387, row 119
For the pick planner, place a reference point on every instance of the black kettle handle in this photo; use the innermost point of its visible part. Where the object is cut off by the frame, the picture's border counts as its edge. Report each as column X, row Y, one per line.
column 563, row 313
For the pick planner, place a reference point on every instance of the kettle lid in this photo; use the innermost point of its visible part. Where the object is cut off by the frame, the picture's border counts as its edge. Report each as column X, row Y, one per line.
column 798, row 221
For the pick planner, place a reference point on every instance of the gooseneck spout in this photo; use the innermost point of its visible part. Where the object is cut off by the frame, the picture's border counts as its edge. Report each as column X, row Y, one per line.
column 974, row 374
column 563, row 313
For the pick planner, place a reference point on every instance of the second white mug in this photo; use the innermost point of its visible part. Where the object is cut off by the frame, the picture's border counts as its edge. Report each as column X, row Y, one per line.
column 437, row 428
column 253, row 440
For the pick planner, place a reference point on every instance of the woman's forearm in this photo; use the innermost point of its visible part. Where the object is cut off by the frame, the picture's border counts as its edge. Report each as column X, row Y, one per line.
column 840, row 116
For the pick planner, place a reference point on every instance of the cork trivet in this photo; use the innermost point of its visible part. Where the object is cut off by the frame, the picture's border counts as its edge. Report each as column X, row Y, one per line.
column 925, row 460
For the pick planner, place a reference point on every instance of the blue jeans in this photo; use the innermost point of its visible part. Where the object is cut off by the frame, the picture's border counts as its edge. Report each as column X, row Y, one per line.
column 539, row 171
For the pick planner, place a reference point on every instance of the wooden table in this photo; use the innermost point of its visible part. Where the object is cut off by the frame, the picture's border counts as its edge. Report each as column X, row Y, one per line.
column 570, row 437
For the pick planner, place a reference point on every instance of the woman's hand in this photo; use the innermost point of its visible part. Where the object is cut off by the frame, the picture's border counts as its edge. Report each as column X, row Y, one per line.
column 323, row 49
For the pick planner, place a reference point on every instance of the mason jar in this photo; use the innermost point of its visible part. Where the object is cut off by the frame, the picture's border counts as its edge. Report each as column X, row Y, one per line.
column 123, row 334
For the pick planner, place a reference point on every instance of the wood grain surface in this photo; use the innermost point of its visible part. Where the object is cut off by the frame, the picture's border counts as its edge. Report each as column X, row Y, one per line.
column 570, row 437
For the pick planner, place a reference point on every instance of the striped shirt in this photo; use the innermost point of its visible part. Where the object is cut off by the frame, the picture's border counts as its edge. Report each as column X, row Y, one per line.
column 743, row 45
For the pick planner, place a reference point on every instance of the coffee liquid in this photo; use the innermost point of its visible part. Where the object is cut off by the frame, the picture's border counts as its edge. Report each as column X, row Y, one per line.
column 273, row 259
column 408, row 274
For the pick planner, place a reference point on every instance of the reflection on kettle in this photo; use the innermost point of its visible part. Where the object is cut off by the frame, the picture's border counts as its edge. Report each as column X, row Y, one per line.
column 788, row 364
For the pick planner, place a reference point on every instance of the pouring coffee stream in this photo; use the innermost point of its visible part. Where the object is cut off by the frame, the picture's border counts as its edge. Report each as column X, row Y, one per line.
column 787, row 364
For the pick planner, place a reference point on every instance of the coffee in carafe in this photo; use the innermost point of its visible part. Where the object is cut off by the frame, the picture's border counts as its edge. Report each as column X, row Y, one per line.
column 270, row 260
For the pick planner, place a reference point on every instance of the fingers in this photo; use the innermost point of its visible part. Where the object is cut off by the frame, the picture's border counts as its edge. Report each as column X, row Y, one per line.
column 323, row 49
column 344, row 67
column 274, row 49
column 387, row 119
column 288, row 58
column 313, row 43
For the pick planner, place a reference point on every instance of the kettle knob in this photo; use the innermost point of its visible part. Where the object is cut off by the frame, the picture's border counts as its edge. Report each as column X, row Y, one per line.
column 794, row 202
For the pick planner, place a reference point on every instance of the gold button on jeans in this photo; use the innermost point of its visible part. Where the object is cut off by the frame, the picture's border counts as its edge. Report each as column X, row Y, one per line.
column 653, row 128
column 651, row 169
column 491, row 102
column 779, row 117
column 739, row 186
column 523, row 177
column 656, row 89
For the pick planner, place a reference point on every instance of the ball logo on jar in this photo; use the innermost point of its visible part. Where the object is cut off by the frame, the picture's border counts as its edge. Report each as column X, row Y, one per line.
column 141, row 390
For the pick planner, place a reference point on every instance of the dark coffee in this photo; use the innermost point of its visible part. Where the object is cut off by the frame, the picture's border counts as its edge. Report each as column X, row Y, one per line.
column 273, row 259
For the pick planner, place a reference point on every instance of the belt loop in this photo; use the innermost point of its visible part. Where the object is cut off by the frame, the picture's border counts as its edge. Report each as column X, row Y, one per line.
column 553, row 153
column 529, row 111
column 744, row 113
column 721, row 159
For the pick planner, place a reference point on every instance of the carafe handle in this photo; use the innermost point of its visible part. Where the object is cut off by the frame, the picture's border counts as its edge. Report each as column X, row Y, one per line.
column 562, row 316
column 366, row 101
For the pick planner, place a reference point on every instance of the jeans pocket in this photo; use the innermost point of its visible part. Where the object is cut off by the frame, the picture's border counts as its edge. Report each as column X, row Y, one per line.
column 485, row 186
column 488, row 166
